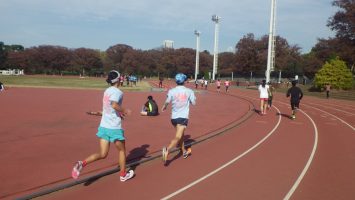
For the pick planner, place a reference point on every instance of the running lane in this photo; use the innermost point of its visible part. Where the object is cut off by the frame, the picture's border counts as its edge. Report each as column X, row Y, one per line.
column 331, row 173
column 260, row 158
column 43, row 137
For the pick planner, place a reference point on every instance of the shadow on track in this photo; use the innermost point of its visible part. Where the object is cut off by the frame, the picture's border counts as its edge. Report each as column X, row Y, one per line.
column 188, row 143
column 284, row 115
column 134, row 156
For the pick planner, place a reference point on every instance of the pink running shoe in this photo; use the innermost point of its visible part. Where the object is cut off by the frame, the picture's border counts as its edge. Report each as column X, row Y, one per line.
column 76, row 170
column 128, row 175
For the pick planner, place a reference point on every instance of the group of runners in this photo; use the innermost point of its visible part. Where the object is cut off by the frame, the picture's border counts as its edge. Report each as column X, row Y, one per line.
column 204, row 84
column 227, row 83
column 180, row 97
column 266, row 96
column 110, row 128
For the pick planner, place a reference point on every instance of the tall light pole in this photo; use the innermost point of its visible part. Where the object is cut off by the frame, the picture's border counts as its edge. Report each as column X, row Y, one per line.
column 271, row 47
column 197, row 33
column 216, row 20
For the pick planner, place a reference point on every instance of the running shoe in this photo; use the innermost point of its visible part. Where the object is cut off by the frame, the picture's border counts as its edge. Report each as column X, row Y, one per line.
column 76, row 169
column 128, row 176
column 187, row 153
column 164, row 154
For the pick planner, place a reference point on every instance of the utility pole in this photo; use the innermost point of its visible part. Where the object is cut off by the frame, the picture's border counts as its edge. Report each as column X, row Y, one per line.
column 215, row 19
column 197, row 33
column 272, row 41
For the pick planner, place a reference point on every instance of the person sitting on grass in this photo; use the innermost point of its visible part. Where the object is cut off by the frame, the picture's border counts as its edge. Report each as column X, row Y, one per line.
column 150, row 108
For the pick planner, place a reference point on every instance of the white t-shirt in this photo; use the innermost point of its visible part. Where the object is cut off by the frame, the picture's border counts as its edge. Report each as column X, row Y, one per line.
column 181, row 97
column 264, row 91
column 110, row 118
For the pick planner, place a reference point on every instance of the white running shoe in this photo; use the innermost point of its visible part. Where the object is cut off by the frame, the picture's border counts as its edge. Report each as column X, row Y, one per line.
column 76, row 169
column 128, row 175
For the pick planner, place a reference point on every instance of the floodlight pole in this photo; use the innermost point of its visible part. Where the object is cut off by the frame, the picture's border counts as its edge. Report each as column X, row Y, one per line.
column 271, row 46
column 215, row 19
column 197, row 33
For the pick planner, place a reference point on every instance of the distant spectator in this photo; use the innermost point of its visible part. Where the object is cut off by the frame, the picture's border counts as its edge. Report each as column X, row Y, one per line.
column 327, row 89
column 127, row 79
column 121, row 80
column 161, row 82
column 2, row 87
column 133, row 80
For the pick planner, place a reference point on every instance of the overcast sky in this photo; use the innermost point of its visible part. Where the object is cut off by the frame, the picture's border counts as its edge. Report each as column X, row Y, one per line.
column 145, row 24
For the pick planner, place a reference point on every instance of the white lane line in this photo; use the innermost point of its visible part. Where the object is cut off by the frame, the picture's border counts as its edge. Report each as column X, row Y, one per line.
column 351, row 114
column 334, row 117
column 350, row 107
column 226, row 164
column 305, row 169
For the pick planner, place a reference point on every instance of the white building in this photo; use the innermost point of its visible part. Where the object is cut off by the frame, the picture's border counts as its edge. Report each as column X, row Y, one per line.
column 12, row 72
column 168, row 44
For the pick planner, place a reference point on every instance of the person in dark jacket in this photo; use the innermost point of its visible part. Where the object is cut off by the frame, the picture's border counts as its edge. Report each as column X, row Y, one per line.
column 296, row 96
column 150, row 108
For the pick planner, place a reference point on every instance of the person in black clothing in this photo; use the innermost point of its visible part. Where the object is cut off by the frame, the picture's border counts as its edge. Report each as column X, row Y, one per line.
column 161, row 82
column 150, row 108
column 2, row 87
column 296, row 95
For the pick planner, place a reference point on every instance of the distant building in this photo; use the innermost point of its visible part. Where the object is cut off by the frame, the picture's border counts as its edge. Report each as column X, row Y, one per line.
column 12, row 72
column 168, row 44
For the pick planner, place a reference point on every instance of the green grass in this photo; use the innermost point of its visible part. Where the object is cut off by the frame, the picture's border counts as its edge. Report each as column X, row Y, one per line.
column 50, row 81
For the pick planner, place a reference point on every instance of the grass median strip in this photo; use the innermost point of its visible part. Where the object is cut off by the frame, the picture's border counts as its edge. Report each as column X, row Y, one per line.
column 49, row 81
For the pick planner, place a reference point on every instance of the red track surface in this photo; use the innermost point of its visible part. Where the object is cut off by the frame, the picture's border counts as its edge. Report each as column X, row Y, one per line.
column 44, row 131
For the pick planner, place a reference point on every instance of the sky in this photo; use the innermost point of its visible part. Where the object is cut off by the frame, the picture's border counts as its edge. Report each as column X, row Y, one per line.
column 145, row 24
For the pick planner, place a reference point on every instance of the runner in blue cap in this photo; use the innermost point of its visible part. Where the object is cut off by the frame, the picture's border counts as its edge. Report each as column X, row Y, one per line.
column 180, row 97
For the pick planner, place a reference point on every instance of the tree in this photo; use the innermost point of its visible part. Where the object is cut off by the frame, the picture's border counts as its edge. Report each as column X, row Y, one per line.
column 87, row 61
column 343, row 23
column 311, row 64
column 247, row 53
column 116, row 53
column 226, row 63
column 185, row 59
column 3, row 54
column 251, row 55
column 336, row 73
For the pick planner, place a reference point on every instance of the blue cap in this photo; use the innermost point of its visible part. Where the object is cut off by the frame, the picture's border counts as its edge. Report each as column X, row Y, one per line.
column 180, row 78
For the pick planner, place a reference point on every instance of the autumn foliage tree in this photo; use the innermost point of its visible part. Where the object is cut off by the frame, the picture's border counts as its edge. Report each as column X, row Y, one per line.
column 343, row 44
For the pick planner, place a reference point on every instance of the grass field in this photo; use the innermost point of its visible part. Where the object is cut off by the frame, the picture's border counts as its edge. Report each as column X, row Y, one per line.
column 64, row 82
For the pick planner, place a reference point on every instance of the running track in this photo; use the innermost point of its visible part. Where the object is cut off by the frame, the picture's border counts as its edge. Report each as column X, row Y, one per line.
column 242, row 156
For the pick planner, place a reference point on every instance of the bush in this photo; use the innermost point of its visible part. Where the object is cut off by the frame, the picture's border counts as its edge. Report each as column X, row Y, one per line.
column 336, row 73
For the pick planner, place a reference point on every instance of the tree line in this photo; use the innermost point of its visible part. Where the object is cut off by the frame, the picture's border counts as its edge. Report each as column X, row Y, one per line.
column 250, row 55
